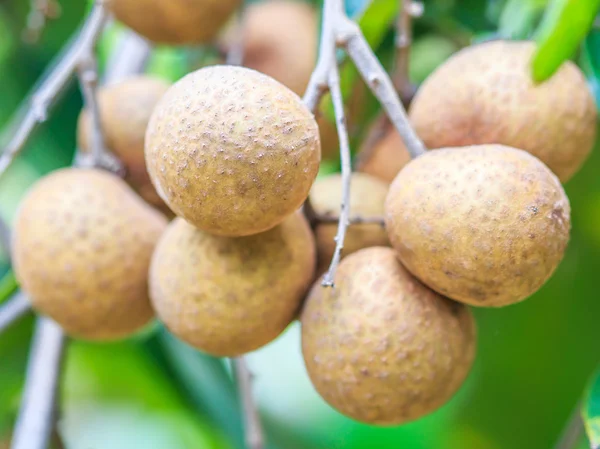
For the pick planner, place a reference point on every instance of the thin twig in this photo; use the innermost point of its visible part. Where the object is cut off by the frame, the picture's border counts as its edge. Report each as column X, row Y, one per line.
column 403, row 42
column 252, row 427
column 45, row 96
column 5, row 236
column 352, row 221
column 99, row 155
column 36, row 415
column 235, row 53
column 13, row 309
column 380, row 84
column 39, row 12
column 129, row 58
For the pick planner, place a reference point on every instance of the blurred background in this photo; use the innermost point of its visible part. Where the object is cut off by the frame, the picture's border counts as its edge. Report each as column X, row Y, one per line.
column 534, row 358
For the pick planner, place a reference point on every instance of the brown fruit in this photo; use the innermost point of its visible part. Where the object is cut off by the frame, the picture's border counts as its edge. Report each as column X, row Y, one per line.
column 280, row 40
column 486, row 225
column 81, row 249
column 125, row 110
column 174, row 22
column 367, row 197
column 385, row 158
column 381, row 347
column 228, row 296
column 485, row 94
column 232, row 151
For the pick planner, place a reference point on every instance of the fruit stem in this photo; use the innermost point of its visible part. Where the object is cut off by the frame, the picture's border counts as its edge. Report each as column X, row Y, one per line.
column 45, row 96
column 400, row 77
column 235, row 54
column 13, row 309
column 354, row 220
column 38, row 408
column 252, row 427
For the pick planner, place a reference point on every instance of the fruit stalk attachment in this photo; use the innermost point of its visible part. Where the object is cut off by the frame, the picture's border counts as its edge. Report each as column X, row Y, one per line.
column 38, row 406
column 45, row 96
column 338, row 30
column 13, row 309
column 252, row 427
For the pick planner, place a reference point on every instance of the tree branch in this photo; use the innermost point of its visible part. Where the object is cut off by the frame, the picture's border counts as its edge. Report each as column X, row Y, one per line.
column 129, row 58
column 354, row 220
column 13, row 309
column 400, row 77
column 235, row 54
column 339, row 31
column 45, row 96
column 252, row 427
column 36, row 415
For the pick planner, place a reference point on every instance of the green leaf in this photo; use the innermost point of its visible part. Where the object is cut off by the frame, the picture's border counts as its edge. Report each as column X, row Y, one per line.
column 519, row 18
column 591, row 411
column 590, row 62
column 563, row 28
column 8, row 285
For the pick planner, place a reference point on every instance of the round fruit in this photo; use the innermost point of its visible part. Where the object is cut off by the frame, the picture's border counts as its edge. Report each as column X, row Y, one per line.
column 381, row 347
column 386, row 158
column 82, row 247
column 228, row 296
column 280, row 40
column 485, row 94
column 486, row 225
column 174, row 21
column 367, row 197
column 232, row 151
column 125, row 110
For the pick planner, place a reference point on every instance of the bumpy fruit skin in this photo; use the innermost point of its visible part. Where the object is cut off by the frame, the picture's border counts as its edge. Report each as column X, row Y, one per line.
column 484, row 94
column 81, row 248
column 232, row 151
column 125, row 110
column 174, row 22
column 280, row 40
column 381, row 347
column 486, row 225
column 228, row 296
column 367, row 198
column 386, row 158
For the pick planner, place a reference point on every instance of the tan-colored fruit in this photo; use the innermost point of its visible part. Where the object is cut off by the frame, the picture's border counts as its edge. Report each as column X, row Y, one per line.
column 228, row 296
column 386, row 158
column 232, row 151
column 174, row 21
column 381, row 347
column 125, row 110
column 367, row 198
column 280, row 40
column 486, row 225
column 81, row 249
column 484, row 94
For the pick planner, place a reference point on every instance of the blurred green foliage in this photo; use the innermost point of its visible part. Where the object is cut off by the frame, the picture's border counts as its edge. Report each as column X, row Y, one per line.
column 591, row 411
column 534, row 358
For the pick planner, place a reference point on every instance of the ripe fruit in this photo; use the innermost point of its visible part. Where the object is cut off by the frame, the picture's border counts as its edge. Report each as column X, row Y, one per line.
column 82, row 247
column 228, row 296
column 386, row 158
column 381, row 347
column 232, row 151
column 280, row 40
column 125, row 110
column 486, row 225
column 484, row 94
column 367, row 197
column 174, row 21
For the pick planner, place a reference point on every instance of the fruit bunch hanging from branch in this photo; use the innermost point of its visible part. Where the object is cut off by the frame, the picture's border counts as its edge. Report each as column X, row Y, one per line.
column 379, row 267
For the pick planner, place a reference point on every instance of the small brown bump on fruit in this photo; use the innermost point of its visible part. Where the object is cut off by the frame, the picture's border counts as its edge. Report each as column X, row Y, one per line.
column 96, row 286
column 384, row 358
column 488, row 262
column 174, row 22
column 367, row 198
column 199, row 129
column 484, row 94
column 228, row 296
column 125, row 109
